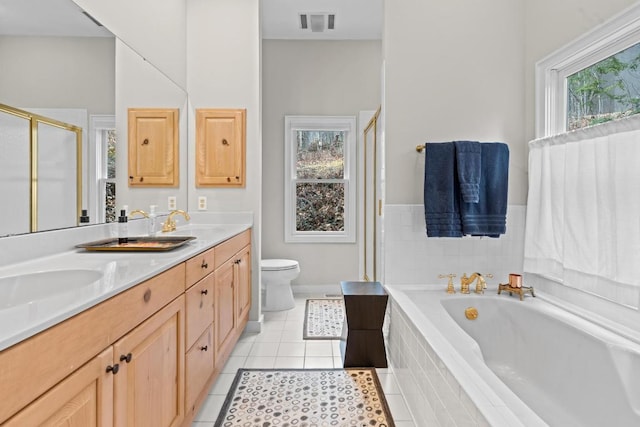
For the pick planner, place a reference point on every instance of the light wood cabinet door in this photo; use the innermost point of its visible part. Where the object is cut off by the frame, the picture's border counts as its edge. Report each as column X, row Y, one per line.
column 243, row 283
column 83, row 399
column 220, row 147
column 199, row 367
column 224, row 308
column 149, row 387
column 153, row 147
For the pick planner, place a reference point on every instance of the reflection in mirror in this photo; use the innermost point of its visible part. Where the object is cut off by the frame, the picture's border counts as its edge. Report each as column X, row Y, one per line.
column 59, row 63
column 56, row 57
column 41, row 172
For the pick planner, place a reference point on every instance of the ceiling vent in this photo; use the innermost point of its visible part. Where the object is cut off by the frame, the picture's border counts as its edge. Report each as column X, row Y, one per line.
column 318, row 22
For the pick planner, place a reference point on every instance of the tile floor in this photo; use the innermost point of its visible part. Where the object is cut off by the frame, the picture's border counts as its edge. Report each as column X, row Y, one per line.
column 280, row 345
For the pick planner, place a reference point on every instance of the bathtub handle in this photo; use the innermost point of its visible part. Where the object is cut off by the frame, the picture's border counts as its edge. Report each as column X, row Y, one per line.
column 450, row 289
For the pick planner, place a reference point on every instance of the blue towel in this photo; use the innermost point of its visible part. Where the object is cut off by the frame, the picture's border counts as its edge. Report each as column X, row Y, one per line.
column 468, row 158
column 488, row 216
column 441, row 191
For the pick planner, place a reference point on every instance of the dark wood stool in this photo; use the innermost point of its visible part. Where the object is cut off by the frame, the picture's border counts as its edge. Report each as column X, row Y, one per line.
column 362, row 342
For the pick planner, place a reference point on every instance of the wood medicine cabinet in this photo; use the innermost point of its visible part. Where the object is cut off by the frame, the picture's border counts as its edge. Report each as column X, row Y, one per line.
column 220, row 147
column 153, row 147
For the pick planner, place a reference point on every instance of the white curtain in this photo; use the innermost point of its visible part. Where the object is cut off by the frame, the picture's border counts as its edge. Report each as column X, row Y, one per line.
column 583, row 211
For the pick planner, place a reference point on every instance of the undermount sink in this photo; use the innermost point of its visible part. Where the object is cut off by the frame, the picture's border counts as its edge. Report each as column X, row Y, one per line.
column 25, row 288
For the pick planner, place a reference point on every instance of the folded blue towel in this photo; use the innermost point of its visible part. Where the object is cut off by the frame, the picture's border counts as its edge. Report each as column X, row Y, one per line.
column 441, row 191
column 488, row 216
column 468, row 158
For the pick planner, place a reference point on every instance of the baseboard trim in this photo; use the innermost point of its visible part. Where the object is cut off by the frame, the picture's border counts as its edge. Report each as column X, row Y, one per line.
column 255, row 326
column 317, row 289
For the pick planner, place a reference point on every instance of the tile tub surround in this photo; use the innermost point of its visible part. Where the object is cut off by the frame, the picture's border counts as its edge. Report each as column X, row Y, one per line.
column 412, row 258
column 50, row 251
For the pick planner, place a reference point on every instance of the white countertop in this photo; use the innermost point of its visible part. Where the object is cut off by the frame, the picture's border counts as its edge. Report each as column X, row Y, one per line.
column 119, row 271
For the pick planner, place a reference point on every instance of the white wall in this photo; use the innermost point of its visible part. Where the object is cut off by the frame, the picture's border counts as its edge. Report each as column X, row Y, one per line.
column 223, row 63
column 311, row 78
column 454, row 70
column 154, row 29
column 58, row 72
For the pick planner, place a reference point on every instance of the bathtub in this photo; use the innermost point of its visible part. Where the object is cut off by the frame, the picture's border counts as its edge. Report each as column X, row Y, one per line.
column 520, row 363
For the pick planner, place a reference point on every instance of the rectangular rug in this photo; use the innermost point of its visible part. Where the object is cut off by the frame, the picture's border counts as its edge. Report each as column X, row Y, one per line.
column 305, row 397
column 323, row 319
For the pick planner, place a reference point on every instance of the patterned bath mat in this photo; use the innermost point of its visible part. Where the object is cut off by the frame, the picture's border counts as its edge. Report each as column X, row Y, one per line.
column 323, row 319
column 305, row 398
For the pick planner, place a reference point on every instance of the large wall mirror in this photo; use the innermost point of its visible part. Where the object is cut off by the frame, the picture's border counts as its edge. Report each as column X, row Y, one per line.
column 60, row 62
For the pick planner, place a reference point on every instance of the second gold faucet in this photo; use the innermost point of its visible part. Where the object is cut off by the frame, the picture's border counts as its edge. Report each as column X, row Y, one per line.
column 170, row 224
column 481, row 283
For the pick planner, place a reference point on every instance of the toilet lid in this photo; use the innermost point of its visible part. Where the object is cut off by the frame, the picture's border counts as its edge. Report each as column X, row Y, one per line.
column 278, row 264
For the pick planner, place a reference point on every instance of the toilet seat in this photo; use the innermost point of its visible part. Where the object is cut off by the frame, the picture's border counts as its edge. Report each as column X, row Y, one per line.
column 278, row 264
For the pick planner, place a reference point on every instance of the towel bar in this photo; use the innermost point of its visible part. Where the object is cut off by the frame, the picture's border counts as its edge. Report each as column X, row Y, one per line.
column 420, row 148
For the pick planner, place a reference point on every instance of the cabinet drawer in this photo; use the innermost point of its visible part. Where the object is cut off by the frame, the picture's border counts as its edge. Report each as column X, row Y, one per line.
column 228, row 248
column 199, row 308
column 199, row 365
column 199, row 266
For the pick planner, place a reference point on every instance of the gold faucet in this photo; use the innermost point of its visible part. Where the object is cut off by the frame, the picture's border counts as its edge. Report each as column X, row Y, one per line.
column 481, row 284
column 138, row 211
column 170, row 223
column 450, row 289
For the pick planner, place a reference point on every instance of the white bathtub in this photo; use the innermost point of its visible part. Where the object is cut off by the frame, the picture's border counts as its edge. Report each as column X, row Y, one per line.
column 526, row 363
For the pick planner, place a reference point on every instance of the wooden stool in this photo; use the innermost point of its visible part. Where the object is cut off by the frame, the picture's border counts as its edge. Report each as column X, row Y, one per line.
column 362, row 342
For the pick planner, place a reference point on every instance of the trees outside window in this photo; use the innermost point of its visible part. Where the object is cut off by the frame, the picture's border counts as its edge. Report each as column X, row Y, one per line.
column 607, row 90
column 594, row 79
column 320, row 179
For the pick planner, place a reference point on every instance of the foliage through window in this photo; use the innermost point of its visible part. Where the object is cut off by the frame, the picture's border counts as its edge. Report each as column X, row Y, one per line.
column 594, row 79
column 110, row 185
column 319, row 192
column 607, row 90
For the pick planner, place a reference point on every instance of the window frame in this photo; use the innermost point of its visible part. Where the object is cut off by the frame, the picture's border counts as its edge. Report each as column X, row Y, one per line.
column 98, row 153
column 293, row 124
column 551, row 73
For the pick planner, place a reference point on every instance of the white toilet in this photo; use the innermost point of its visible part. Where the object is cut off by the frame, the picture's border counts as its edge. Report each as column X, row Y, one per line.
column 277, row 275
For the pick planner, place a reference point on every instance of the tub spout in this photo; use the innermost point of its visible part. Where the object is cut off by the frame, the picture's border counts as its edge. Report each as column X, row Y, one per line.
column 481, row 283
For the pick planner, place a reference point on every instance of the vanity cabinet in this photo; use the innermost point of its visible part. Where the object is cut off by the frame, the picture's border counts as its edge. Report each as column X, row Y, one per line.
column 225, row 320
column 200, row 357
column 153, row 147
column 149, row 386
column 145, row 357
column 220, row 147
column 85, row 398
column 243, row 273
column 233, row 292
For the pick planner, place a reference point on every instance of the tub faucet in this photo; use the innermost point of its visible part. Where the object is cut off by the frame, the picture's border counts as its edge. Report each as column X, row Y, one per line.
column 481, row 284
column 170, row 223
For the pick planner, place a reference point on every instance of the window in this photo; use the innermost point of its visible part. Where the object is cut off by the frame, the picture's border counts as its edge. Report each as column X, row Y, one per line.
column 320, row 188
column 593, row 79
column 103, row 151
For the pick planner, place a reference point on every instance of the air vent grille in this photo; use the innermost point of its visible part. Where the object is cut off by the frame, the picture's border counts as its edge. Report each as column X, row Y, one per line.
column 317, row 22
